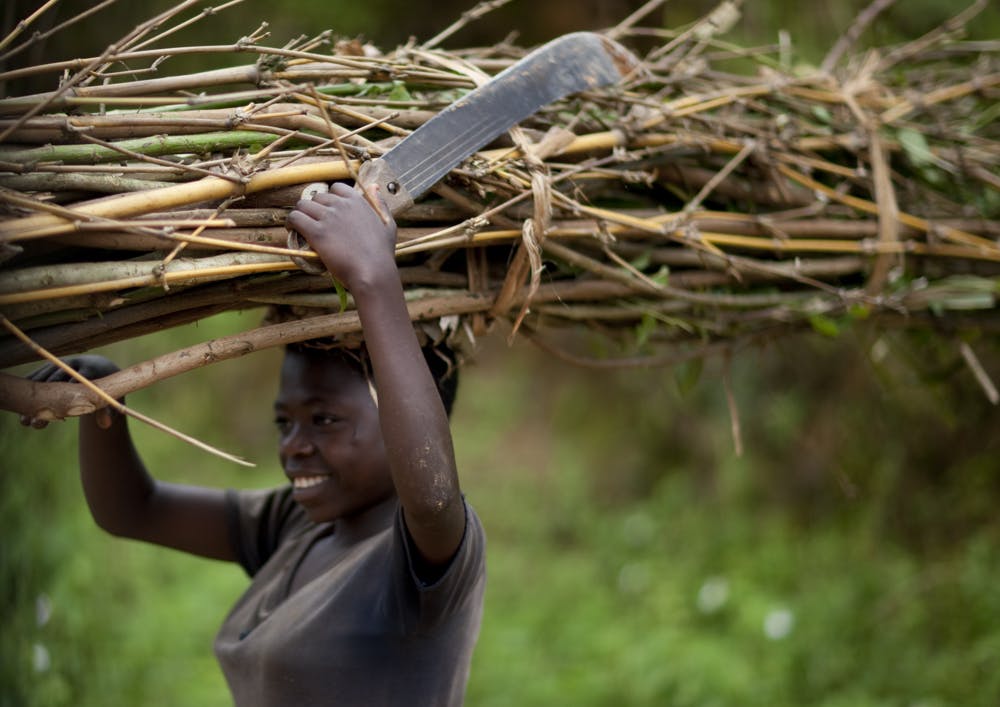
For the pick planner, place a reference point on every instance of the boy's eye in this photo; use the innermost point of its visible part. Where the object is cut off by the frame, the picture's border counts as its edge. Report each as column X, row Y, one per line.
column 324, row 419
column 282, row 423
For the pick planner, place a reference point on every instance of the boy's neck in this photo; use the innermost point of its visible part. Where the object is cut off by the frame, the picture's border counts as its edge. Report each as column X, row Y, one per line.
column 363, row 525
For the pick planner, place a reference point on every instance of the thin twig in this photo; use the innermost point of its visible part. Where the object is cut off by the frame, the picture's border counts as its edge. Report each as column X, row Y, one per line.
column 935, row 35
column 982, row 377
column 734, row 411
column 640, row 14
column 480, row 10
column 41, row 36
column 25, row 23
column 848, row 39
column 207, row 12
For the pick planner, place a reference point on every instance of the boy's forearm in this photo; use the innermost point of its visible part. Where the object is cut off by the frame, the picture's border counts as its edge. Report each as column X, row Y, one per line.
column 414, row 422
column 357, row 245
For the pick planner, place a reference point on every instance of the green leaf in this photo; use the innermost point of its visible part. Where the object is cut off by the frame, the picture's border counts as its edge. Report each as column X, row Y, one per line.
column 341, row 294
column 965, row 301
column 662, row 276
column 687, row 375
column 399, row 92
column 963, row 292
column 822, row 114
column 824, row 325
column 645, row 329
column 642, row 262
column 370, row 89
column 915, row 146
column 859, row 311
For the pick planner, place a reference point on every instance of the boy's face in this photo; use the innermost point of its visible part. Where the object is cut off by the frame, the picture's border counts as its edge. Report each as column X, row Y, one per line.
column 330, row 444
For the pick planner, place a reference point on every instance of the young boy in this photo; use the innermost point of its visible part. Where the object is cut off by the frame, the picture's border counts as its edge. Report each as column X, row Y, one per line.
column 369, row 567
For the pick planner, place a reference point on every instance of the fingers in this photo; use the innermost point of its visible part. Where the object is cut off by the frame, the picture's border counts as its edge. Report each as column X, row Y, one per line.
column 309, row 211
column 337, row 195
column 340, row 189
column 45, row 373
column 303, row 217
column 341, row 203
column 308, row 205
column 91, row 367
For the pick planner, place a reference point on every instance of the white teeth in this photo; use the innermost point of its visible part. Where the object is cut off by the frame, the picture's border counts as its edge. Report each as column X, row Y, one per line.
column 305, row 482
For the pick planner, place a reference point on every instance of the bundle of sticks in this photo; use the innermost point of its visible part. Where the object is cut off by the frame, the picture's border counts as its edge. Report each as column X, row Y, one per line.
column 721, row 195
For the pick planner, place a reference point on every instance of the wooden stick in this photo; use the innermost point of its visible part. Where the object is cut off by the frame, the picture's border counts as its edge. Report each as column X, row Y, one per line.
column 28, row 398
column 154, row 146
column 180, row 272
column 103, row 397
column 206, row 189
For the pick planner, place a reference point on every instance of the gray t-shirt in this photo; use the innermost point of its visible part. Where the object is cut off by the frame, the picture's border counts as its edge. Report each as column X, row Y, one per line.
column 365, row 632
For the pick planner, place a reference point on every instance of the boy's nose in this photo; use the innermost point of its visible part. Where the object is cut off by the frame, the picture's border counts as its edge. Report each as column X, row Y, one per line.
column 296, row 443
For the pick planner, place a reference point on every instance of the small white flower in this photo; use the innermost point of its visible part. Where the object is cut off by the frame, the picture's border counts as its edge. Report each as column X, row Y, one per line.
column 40, row 658
column 633, row 578
column 713, row 595
column 43, row 609
column 638, row 529
column 778, row 624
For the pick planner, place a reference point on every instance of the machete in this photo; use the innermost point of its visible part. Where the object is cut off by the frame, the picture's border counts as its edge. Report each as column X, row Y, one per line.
column 569, row 64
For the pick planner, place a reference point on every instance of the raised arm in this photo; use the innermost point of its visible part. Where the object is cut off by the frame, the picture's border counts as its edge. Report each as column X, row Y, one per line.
column 358, row 248
column 124, row 499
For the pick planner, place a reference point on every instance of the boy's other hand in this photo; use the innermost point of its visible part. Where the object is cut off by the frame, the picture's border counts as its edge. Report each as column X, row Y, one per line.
column 90, row 366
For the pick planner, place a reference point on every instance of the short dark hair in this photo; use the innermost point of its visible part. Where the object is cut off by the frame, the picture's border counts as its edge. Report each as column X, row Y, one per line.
column 441, row 361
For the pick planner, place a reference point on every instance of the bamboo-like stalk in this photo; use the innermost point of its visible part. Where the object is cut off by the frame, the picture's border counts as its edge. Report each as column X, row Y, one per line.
column 155, row 146
column 206, row 189
column 107, row 184
column 177, row 273
column 56, row 128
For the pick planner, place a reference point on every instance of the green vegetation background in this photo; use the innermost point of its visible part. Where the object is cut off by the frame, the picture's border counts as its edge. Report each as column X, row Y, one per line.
column 850, row 556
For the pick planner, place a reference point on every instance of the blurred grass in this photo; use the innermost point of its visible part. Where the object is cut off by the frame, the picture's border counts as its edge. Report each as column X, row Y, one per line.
column 633, row 558
column 636, row 560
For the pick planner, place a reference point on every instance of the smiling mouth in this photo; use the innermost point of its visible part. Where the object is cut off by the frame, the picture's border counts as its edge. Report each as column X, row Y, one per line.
column 306, row 482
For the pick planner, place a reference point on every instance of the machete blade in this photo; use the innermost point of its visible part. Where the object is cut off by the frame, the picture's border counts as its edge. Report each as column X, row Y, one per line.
column 566, row 65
